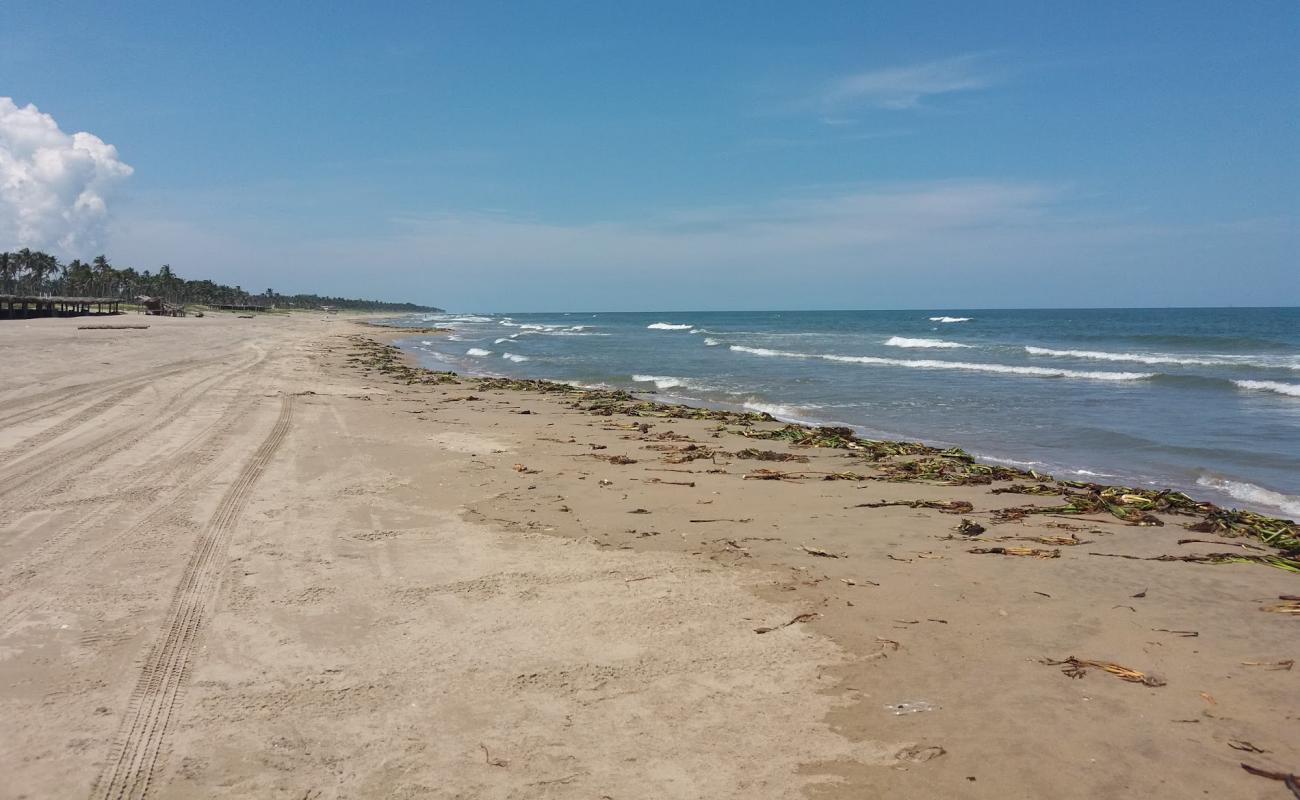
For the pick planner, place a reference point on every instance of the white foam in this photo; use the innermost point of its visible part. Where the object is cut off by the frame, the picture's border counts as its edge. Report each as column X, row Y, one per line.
column 784, row 413
column 1289, row 389
column 951, row 319
column 502, row 339
column 709, row 341
column 478, row 351
column 1206, row 360
column 1013, row 462
column 514, row 358
column 999, row 369
column 668, row 326
column 902, row 341
column 662, row 381
column 1250, row 493
column 467, row 318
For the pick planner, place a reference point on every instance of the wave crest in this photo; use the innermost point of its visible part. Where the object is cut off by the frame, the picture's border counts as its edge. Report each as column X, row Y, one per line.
column 668, row 326
column 968, row 366
column 1288, row 389
column 478, row 351
column 1208, row 360
column 903, row 341
column 1250, row 493
column 951, row 319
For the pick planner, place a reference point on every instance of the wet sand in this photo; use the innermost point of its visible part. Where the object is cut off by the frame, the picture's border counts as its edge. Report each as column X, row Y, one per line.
column 239, row 562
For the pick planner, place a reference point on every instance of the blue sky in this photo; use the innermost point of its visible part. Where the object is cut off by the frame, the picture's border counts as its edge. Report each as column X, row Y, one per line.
column 547, row 156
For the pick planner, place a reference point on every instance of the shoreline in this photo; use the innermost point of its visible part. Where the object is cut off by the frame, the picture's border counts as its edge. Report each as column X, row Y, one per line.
column 817, row 573
column 416, row 583
column 1084, row 475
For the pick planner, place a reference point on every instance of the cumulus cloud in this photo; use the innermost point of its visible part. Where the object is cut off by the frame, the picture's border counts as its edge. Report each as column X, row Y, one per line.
column 54, row 186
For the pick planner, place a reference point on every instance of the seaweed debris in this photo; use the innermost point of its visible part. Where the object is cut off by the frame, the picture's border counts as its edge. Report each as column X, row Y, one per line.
column 841, row 439
column 1077, row 668
column 1040, row 489
column 683, row 454
column 386, row 359
column 951, row 468
column 770, row 455
column 945, row 506
column 1030, row 552
column 1280, row 562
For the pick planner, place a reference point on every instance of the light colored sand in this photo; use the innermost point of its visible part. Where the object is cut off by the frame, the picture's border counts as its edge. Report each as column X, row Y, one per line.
column 232, row 565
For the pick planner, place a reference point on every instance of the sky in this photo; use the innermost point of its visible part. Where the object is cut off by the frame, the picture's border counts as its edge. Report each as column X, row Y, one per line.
column 666, row 156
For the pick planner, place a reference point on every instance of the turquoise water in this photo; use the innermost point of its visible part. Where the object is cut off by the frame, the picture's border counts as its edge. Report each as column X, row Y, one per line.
column 1205, row 400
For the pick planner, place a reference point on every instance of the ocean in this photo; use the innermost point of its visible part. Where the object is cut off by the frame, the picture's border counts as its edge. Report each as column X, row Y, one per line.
column 1202, row 400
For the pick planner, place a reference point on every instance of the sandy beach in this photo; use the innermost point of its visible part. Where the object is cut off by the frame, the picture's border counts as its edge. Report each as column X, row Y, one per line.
column 239, row 559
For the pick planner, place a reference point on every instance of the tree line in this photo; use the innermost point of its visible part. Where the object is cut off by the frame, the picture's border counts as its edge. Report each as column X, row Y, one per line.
column 32, row 272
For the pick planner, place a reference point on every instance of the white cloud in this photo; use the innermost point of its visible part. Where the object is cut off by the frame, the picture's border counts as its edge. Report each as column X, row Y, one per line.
column 905, row 87
column 54, row 186
column 934, row 244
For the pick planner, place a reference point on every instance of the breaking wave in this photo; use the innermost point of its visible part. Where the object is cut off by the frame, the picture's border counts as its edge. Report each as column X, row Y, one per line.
column 668, row 326
column 902, row 341
column 999, row 369
column 709, row 341
column 1212, row 360
column 1289, row 389
column 478, row 351
column 664, row 382
column 1250, row 493
column 783, row 413
column 514, row 358
column 951, row 319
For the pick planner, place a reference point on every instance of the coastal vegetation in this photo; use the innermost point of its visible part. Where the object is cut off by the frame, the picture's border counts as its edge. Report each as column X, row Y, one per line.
column 33, row 272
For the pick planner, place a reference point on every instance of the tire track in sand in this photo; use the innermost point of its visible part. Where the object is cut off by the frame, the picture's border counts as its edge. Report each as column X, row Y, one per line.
column 143, row 737
column 194, row 466
column 54, row 401
column 20, row 481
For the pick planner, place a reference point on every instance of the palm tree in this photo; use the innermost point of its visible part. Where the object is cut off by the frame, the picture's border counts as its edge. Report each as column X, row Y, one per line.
column 8, row 272
column 102, row 270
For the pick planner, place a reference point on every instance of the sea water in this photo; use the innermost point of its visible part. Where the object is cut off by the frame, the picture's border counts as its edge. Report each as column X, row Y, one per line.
column 1203, row 400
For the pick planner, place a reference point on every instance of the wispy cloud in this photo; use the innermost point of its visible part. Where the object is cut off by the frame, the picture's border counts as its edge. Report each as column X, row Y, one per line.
column 904, row 87
column 945, row 243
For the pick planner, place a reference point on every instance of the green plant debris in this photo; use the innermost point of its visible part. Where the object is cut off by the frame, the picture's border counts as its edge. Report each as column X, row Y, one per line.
column 1280, row 562
column 1040, row 489
column 770, row 455
column 841, row 439
column 949, row 470
column 1138, row 507
column 1029, row 552
column 386, row 359
column 946, row 506
column 682, row 454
